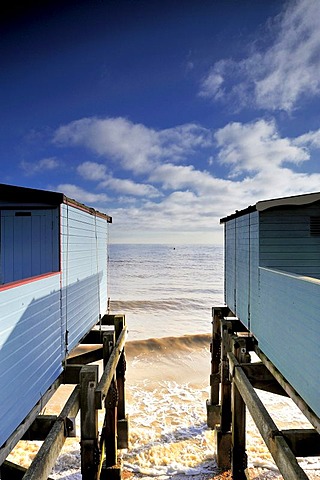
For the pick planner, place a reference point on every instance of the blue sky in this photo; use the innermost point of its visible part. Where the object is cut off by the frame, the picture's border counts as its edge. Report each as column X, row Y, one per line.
column 167, row 115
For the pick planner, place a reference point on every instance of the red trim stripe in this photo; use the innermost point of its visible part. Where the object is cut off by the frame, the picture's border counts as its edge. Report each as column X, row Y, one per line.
column 17, row 283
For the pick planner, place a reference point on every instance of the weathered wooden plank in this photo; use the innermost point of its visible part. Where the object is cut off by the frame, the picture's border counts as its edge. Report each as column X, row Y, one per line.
column 12, row 471
column 51, row 447
column 111, row 405
column 260, row 377
column 122, row 418
column 285, row 459
column 233, row 324
column 238, row 407
column 279, row 449
column 40, row 428
column 213, row 407
column 89, row 422
column 303, row 442
column 217, row 315
column 91, row 356
column 111, row 319
column 106, row 378
column 226, row 417
column 71, row 374
column 109, row 436
column 94, row 337
column 119, row 324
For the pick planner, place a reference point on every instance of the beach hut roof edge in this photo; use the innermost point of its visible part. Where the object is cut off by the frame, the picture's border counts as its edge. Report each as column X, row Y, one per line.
column 15, row 194
column 295, row 200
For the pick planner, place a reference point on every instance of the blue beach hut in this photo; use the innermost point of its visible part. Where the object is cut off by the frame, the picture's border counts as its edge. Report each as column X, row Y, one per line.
column 53, row 289
column 272, row 284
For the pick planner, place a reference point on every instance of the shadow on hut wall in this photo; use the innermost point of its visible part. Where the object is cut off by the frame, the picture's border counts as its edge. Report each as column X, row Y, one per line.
column 34, row 319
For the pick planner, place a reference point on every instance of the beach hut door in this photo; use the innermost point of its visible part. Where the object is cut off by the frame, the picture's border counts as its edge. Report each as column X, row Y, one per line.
column 29, row 243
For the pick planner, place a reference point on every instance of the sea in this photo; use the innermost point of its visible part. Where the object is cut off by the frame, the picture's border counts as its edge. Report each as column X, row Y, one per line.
column 166, row 293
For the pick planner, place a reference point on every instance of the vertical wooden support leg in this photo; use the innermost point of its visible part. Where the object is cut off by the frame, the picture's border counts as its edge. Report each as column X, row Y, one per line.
column 226, row 417
column 213, row 407
column 238, row 452
column 111, row 402
column 223, row 433
column 123, row 422
column 110, row 469
column 89, row 423
column 111, row 458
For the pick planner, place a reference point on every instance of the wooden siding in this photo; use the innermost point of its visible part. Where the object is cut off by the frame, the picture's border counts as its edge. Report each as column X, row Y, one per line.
column 286, row 243
column 102, row 259
column 243, row 268
column 30, row 348
column 287, row 328
column 241, row 264
column 230, row 264
column 84, row 271
column 254, row 265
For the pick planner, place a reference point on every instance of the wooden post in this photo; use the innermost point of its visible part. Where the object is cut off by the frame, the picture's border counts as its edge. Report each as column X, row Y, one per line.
column 111, row 402
column 123, row 422
column 121, row 368
column 89, row 423
column 213, row 407
column 238, row 450
column 223, row 432
column 226, row 417
column 110, row 469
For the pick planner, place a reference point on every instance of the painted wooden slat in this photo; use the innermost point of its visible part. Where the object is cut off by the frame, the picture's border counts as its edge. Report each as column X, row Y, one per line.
column 230, row 264
column 84, row 271
column 30, row 348
column 286, row 242
column 287, row 329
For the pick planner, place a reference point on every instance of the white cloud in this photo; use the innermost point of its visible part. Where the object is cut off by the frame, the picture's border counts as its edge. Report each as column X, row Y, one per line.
column 82, row 196
column 192, row 210
column 310, row 139
column 256, row 147
column 212, row 84
column 197, row 200
column 184, row 202
column 133, row 145
column 277, row 77
column 291, row 65
column 136, row 147
column 92, row 170
column 98, row 172
column 128, row 187
column 45, row 164
column 179, row 177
